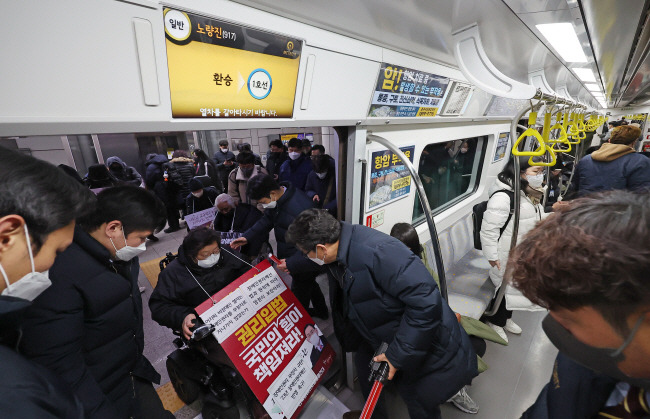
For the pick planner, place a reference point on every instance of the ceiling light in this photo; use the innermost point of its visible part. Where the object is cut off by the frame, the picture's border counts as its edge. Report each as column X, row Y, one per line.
column 563, row 38
column 592, row 87
column 585, row 74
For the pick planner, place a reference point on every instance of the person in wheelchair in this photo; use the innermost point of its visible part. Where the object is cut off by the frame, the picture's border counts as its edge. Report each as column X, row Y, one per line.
column 198, row 272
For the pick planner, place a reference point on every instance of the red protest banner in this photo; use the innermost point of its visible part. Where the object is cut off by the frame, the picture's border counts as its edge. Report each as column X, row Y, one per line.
column 270, row 338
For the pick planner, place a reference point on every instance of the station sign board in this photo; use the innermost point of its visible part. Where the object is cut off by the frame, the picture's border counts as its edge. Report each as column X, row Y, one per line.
column 404, row 92
column 220, row 69
column 269, row 337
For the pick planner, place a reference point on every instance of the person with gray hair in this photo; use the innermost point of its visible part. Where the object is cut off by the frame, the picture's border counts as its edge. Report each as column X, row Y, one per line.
column 232, row 220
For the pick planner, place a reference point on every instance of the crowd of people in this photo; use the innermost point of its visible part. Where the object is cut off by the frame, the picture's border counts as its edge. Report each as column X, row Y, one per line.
column 71, row 316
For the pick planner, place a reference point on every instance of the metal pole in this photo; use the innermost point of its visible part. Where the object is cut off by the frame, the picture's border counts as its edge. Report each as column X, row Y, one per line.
column 425, row 207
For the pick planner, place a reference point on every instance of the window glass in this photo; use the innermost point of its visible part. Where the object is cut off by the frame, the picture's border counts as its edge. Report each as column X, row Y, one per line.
column 449, row 171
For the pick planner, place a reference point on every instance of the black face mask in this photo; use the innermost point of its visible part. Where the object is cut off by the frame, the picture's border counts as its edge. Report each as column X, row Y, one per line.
column 603, row 360
column 247, row 172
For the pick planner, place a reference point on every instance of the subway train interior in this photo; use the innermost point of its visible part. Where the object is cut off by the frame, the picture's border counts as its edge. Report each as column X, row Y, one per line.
column 449, row 85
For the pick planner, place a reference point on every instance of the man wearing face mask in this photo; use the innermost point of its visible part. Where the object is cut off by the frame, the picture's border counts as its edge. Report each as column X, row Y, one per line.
column 238, row 179
column 233, row 220
column 201, row 198
column 283, row 202
column 38, row 208
column 297, row 168
column 595, row 283
column 275, row 157
column 225, row 160
column 385, row 293
column 321, row 184
column 87, row 327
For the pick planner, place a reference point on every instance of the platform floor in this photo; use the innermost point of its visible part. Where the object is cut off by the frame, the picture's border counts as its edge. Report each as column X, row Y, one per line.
column 516, row 375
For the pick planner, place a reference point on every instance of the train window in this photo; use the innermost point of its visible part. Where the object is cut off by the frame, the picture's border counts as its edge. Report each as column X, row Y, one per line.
column 449, row 172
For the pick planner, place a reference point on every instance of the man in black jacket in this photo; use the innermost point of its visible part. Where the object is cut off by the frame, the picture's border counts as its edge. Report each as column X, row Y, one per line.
column 179, row 167
column 233, row 220
column 37, row 215
column 283, row 203
column 87, row 327
column 594, row 281
column 388, row 295
column 226, row 163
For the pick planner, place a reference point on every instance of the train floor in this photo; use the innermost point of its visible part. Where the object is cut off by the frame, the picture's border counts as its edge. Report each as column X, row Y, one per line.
column 516, row 373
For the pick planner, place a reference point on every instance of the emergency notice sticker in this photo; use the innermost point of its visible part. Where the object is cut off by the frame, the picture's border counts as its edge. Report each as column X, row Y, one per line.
column 274, row 344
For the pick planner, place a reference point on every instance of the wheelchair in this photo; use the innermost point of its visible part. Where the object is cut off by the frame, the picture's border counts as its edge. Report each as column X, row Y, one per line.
column 192, row 372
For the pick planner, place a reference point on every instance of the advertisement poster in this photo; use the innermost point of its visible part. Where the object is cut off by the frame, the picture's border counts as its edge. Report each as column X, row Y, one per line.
column 270, row 338
column 389, row 177
column 218, row 69
column 200, row 218
column 404, row 92
column 501, row 148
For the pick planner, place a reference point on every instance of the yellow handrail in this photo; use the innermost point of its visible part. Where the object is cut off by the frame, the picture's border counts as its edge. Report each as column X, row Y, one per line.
column 528, row 133
column 544, row 149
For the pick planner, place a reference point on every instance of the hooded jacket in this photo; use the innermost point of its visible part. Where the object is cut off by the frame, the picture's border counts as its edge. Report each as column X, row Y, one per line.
column 127, row 174
column 613, row 166
column 153, row 176
column 87, row 328
column 498, row 248
column 28, row 390
column 177, row 292
column 391, row 297
column 296, row 171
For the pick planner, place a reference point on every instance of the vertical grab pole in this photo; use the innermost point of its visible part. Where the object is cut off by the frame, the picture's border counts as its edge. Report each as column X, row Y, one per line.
column 425, row 207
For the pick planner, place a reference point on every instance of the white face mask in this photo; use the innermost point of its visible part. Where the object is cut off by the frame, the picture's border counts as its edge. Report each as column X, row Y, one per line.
column 535, row 181
column 314, row 339
column 128, row 252
column 321, row 175
column 293, row 155
column 210, row 261
column 317, row 260
column 271, row 204
column 224, row 150
column 464, row 150
column 31, row 285
column 198, row 194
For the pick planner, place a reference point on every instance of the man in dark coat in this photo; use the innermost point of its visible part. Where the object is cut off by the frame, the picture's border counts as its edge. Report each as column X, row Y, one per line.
column 87, row 327
column 297, row 168
column 201, row 198
column 37, row 217
column 321, row 183
column 177, row 193
column 154, row 180
column 595, row 284
column 276, row 156
column 615, row 165
column 283, row 203
column 122, row 172
column 226, row 163
column 233, row 220
column 390, row 296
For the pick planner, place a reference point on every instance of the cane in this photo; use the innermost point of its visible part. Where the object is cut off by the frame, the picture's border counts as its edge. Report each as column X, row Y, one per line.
column 378, row 374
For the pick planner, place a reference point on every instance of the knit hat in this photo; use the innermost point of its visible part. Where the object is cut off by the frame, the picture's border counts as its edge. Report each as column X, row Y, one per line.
column 195, row 185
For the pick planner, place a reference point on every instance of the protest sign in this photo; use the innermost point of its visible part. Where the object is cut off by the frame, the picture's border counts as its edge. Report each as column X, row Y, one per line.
column 270, row 338
column 200, row 218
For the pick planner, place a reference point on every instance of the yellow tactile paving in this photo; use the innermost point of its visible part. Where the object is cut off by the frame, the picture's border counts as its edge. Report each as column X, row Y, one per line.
column 169, row 397
column 151, row 270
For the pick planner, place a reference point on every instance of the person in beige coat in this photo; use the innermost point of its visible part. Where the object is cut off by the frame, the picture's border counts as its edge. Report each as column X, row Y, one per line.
column 238, row 178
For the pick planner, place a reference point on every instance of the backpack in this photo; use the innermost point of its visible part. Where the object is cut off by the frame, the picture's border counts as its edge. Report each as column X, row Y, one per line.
column 477, row 217
column 172, row 175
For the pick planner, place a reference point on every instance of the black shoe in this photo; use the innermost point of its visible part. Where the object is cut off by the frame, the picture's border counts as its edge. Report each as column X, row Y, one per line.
column 153, row 238
column 171, row 229
column 321, row 314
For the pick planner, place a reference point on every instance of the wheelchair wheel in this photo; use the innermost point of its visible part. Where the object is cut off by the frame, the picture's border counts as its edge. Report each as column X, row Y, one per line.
column 214, row 411
column 186, row 388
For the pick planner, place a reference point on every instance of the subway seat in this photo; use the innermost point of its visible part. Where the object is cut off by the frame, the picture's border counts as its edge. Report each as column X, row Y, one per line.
column 467, row 272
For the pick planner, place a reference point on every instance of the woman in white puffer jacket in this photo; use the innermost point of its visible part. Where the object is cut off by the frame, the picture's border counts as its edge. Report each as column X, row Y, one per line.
column 496, row 246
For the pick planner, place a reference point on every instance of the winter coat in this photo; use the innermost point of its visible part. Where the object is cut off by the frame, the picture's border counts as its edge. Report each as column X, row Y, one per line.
column 243, row 217
column 296, row 171
column 127, row 174
column 274, row 162
column 223, row 169
column 391, row 297
column 317, row 186
column 153, row 176
column 207, row 200
column 574, row 392
column 87, row 328
column 289, row 206
column 613, row 166
column 237, row 185
column 185, row 167
column 208, row 168
column 177, row 293
column 495, row 248
column 28, row 389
